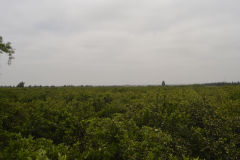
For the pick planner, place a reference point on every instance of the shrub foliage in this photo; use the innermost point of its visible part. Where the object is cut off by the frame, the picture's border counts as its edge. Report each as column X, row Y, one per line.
column 96, row 123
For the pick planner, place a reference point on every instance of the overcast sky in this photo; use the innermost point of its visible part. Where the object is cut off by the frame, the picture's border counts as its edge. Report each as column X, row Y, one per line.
column 117, row 42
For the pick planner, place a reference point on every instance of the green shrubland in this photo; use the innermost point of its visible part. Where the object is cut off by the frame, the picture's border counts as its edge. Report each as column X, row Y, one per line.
column 132, row 123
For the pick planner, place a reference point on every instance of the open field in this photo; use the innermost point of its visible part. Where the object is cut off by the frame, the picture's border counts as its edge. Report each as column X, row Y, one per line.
column 95, row 123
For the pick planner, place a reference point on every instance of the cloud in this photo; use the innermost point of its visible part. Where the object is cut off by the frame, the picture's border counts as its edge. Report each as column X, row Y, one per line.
column 118, row 42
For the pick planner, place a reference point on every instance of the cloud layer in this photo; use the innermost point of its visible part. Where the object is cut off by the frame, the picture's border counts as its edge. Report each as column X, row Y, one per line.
column 105, row 42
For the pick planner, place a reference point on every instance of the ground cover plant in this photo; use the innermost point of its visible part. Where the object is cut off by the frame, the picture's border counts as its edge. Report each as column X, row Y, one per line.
column 132, row 123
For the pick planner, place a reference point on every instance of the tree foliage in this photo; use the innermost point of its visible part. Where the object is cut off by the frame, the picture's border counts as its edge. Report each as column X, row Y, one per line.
column 6, row 48
column 136, row 123
column 163, row 83
column 21, row 84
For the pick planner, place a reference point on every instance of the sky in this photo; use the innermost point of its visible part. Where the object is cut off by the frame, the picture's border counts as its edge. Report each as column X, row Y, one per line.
column 119, row 42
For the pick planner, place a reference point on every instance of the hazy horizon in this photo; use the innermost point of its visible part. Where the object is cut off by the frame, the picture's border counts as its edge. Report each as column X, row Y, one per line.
column 134, row 42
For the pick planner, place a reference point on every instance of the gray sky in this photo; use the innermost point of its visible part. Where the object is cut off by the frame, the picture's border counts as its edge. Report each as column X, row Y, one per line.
column 114, row 42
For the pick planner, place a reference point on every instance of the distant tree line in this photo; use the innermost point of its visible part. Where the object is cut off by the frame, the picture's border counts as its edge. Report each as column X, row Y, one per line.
column 22, row 84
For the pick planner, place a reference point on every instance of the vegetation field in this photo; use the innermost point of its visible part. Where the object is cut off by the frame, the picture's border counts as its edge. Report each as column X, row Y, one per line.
column 120, row 123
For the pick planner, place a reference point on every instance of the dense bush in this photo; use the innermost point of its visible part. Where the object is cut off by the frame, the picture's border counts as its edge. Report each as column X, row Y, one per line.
column 95, row 123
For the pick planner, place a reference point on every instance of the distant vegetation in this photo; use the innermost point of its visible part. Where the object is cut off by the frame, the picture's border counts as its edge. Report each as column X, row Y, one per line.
column 21, row 84
column 120, row 123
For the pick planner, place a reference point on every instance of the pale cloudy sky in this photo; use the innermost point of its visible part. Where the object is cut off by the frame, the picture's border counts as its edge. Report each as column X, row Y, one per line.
column 116, row 42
